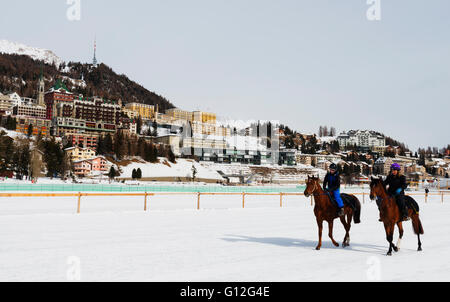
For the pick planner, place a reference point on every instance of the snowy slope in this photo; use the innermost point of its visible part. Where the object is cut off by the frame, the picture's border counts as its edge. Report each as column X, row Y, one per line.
column 182, row 169
column 45, row 55
column 115, row 240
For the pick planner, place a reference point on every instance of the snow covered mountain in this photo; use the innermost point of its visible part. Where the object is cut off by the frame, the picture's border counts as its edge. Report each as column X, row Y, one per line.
column 35, row 53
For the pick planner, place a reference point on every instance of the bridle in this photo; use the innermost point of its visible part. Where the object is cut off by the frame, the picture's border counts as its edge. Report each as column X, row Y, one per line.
column 376, row 196
column 316, row 188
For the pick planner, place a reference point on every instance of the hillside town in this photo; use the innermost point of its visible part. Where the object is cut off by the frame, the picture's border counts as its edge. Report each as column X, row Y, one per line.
column 99, row 137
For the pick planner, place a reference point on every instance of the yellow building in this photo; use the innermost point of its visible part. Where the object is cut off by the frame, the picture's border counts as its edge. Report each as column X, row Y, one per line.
column 210, row 129
column 76, row 153
column 144, row 111
column 196, row 116
column 204, row 117
column 178, row 114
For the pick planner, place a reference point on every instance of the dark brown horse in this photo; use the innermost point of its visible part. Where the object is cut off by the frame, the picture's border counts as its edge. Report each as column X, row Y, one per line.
column 390, row 215
column 326, row 210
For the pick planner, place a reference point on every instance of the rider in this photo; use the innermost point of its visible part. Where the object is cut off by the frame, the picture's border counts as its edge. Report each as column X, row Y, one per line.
column 397, row 186
column 332, row 184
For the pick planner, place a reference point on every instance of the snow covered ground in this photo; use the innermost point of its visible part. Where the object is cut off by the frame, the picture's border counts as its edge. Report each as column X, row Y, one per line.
column 115, row 240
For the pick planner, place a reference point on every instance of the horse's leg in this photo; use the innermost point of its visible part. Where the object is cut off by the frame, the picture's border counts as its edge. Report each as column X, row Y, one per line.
column 330, row 233
column 401, row 231
column 419, row 249
column 320, row 224
column 347, row 226
column 390, row 237
column 417, row 229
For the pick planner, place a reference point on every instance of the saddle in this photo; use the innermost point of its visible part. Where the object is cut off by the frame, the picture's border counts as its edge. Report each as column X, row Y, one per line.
column 347, row 199
column 409, row 201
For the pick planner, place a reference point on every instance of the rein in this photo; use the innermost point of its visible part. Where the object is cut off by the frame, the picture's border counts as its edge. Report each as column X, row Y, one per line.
column 318, row 189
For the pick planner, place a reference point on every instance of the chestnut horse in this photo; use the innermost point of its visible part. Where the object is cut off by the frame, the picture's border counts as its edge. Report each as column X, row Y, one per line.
column 390, row 215
column 326, row 210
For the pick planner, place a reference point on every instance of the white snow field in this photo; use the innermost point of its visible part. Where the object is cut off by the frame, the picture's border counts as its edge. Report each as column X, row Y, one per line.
column 113, row 239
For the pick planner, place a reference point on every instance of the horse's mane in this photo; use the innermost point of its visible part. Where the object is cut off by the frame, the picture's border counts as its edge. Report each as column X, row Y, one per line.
column 379, row 180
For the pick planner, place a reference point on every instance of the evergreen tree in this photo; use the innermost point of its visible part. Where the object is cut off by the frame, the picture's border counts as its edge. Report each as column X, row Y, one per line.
column 30, row 131
column 112, row 173
column 139, row 125
column 194, row 173
column 101, row 146
column 108, row 144
column 171, row 156
column 53, row 157
column 154, row 132
column 7, row 149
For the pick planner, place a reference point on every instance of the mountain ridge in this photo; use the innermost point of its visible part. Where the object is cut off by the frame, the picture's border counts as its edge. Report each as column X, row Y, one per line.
column 20, row 69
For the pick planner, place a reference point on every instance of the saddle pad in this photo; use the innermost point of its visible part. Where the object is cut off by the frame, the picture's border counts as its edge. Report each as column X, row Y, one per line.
column 412, row 204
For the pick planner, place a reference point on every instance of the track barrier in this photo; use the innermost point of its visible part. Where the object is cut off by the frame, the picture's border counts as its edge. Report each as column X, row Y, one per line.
column 147, row 195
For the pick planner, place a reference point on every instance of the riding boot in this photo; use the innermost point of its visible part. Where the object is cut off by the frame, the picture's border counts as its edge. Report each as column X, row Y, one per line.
column 403, row 209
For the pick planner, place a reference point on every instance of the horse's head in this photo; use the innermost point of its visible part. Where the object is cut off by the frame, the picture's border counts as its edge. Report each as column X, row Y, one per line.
column 376, row 188
column 312, row 185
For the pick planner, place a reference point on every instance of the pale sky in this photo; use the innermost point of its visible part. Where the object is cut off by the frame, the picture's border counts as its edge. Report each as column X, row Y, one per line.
column 305, row 63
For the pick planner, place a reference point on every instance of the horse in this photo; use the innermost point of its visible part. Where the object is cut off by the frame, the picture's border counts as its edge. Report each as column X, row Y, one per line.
column 326, row 210
column 390, row 215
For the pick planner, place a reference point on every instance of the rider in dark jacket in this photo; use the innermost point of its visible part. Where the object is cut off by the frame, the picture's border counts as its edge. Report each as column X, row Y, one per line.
column 332, row 184
column 397, row 186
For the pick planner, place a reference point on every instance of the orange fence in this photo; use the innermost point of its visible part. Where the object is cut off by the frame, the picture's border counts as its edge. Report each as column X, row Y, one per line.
column 147, row 195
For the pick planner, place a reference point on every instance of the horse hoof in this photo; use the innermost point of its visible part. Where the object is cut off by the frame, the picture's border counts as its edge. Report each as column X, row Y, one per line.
column 389, row 254
column 420, row 249
column 317, row 248
column 395, row 249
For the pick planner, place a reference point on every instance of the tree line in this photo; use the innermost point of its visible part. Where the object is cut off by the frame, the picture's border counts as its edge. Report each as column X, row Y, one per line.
column 121, row 145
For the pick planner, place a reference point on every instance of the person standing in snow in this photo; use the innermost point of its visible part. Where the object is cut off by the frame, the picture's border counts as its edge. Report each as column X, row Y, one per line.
column 332, row 185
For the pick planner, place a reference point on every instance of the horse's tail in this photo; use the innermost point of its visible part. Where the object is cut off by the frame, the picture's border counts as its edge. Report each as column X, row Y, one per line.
column 417, row 226
column 357, row 211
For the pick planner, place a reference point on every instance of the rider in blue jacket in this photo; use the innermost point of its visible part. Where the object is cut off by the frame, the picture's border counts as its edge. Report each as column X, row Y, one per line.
column 332, row 184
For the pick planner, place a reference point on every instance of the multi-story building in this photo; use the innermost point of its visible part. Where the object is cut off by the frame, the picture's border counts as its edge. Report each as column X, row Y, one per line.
column 209, row 129
column 313, row 159
column 196, row 116
column 86, row 167
column 63, row 126
column 130, row 113
column 204, row 117
column 82, row 140
column 383, row 164
column 363, row 140
column 96, row 109
column 42, row 126
column 79, row 153
column 179, row 114
column 144, row 111
column 6, row 104
column 203, row 144
column 30, row 110
column 15, row 99
column 59, row 96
